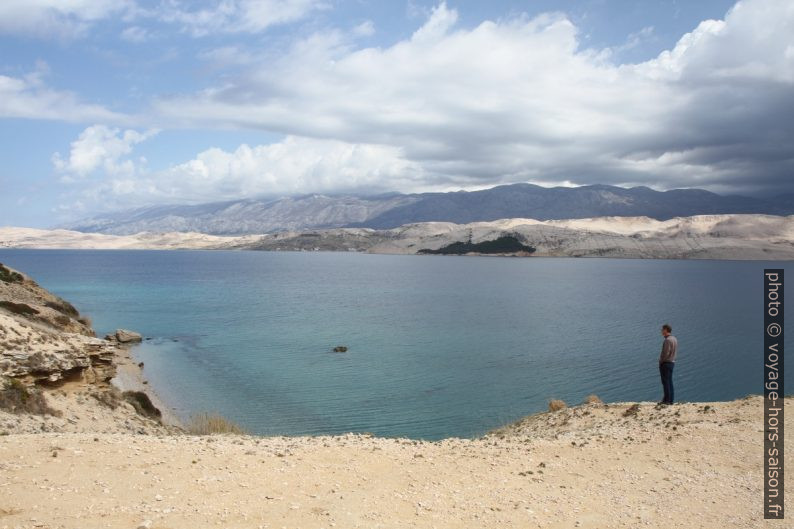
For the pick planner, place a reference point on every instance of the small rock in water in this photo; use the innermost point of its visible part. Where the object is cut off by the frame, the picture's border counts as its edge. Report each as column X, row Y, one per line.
column 340, row 349
column 125, row 336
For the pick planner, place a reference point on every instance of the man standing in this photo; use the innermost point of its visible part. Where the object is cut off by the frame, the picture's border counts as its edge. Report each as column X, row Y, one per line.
column 666, row 363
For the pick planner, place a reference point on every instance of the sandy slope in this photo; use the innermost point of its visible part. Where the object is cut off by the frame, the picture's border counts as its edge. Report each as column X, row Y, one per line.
column 691, row 465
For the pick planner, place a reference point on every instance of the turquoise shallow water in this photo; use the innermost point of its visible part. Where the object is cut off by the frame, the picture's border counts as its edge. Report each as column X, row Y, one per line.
column 438, row 346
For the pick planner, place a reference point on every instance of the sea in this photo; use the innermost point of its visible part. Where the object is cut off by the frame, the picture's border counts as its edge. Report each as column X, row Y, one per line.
column 437, row 346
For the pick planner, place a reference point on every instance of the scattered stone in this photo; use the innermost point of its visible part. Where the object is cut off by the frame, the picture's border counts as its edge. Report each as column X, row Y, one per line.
column 125, row 336
column 632, row 410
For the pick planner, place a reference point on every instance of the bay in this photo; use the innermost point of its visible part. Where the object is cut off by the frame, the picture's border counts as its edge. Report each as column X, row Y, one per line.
column 438, row 346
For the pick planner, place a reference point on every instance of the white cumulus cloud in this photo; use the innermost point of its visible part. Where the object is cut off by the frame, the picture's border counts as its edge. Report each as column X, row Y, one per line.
column 65, row 18
column 29, row 97
column 293, row 165
column 100, row 147
column 236, row 16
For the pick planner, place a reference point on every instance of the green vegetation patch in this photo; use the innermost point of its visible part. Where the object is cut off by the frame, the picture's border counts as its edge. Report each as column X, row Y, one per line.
column 504, row 244
column 9, row 276
column 15, row 397
column 142, row 404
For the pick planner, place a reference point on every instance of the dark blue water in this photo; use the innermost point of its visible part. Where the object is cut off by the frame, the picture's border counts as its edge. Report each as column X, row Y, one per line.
column 438, row 346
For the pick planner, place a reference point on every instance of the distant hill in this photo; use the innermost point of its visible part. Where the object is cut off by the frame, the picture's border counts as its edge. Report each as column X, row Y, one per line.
column 393, row 210
column 753, row 236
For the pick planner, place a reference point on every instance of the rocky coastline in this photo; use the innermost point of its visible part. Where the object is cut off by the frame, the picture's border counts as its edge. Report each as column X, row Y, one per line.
column 49, row 352
column 80, row 447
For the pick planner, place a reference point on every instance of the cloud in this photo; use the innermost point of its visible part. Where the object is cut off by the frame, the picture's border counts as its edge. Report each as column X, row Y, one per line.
column 294, row 165
column 73, row 18
column 228, row 55
column 63, row 18
column 365, row 29
column 29, row 97
column 237, row 16
column 520, row 99
column 135, row 34
column 102, row 147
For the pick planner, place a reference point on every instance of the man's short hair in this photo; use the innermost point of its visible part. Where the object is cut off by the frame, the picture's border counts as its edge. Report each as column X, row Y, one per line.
column 667, row 327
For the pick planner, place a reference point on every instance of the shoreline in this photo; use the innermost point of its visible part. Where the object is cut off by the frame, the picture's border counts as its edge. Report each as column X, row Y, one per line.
column 129, row 377
column 770, row 259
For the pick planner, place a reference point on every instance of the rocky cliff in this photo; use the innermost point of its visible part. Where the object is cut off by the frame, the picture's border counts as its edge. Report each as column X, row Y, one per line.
column 55, row 374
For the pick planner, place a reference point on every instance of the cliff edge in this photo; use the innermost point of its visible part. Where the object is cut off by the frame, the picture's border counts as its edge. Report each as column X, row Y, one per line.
column 55, row 374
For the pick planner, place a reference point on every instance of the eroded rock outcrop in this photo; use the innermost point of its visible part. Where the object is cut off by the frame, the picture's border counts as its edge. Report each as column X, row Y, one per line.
column 57, row 376
column 43, row 338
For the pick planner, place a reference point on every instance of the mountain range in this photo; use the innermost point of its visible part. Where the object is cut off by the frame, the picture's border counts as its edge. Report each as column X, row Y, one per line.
column 391, row 210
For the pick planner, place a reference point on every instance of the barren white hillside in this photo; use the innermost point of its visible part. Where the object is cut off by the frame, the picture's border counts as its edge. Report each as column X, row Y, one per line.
column 51, row 239
column 703, row 236
column 697, row 237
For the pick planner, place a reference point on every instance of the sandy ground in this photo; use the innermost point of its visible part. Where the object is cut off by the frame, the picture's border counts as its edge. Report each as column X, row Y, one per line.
column 695, row 465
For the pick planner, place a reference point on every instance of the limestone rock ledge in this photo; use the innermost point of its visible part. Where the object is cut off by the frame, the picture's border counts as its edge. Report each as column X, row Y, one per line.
column 44, row 340
column 57, row 376
column 37, row 355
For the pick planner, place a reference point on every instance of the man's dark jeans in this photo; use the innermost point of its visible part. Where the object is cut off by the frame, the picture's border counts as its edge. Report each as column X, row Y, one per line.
column 666, row 370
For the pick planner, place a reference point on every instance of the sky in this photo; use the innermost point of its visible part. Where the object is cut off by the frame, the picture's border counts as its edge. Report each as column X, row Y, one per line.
column 116, row 104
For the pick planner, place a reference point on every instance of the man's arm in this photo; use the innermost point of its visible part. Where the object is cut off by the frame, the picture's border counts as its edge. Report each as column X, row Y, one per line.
column 667, row 349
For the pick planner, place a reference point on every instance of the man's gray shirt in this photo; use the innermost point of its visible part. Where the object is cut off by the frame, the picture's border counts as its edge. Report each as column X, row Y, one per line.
column 669, row 348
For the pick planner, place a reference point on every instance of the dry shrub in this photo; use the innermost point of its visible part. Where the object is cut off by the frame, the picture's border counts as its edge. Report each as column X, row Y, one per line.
column 556, row 405
column 142, row 404
column 210, row 423
column 16, row 397
column 9, row 276
column 110, row 398
column 62, row 320
column 593, row 399
column 63, row 306
column 18, row 308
